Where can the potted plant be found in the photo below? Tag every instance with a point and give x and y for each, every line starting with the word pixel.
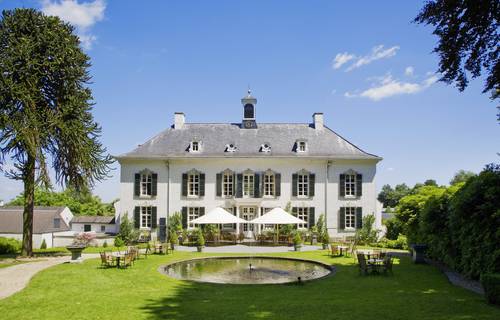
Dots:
pixel 325 240
pixel 314 235
pixel 200 240
pixel 297 241
pixel 173 239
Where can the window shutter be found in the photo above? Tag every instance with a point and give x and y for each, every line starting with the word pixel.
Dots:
pixel 277 180
pixel 234 213
pixel 184 217
pixel 218 186
pixel 294 185
pixel 153 217
pixel 359 185
pixel 184 184
pixel 294 211
pixel 311 219
pixel 239 185
pixel 234 185
pixel 342 185
pixel 137 184
pixel 202 185
pixel 261 185
pixel 137 217
pixel 342 219
pixel 256 185
pixel 359 218
pixel 154 184
pixel 202 211
pixel 312 179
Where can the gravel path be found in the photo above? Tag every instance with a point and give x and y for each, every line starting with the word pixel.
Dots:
pixel 17 277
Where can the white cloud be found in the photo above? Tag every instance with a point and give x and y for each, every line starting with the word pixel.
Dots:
pixel 409 71
pixel 377 53
pixel 81 15
pixel 387 87
pixel 341 59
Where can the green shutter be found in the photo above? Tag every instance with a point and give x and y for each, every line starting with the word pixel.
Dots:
pixel 137 184
pixel 137 217
pixel 153 217
pixel 342 185
pixel 184 217
pixel 359 185
pixel 294 184
pixel 202 185
pixel 312 182
pixel 239 185
pixel 218 186
pixel 202 211
pixel 311 219
pixel 294 211
pixel 184 184
pixel 359 218
pixel 342 219
pixel 154 184
pixel 277 180
pixel 256 185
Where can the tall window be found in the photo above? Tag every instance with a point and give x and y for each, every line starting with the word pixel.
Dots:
pixel 146 184
pixel 269 184
pixel 228 184
pixel 248 184
pixel 146 217
pixel 303 185
pixel 350 217
pixel 303 214
pixel 350 184
pixel 193 184
pixel 193 213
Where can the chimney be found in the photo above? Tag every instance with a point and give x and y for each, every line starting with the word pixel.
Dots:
pixel 318 120
pixel 179 120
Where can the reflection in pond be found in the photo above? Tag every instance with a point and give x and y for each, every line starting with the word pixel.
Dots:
pixel 248 270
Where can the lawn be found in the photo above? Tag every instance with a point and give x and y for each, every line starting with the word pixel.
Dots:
pixel 86 291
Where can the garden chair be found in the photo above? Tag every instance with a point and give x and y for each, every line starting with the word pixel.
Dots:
pixel 364 268
pixel 334 250
pixel 107 260
pixel 127 260
pixel 387 264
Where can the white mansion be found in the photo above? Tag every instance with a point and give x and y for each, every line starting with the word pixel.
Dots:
pixel 249 168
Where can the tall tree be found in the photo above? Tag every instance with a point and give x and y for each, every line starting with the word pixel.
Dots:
pixel 461 176
pixel 468 32
pixel 45 108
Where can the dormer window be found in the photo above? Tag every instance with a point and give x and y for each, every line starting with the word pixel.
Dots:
pixel 230 147
pixel 195 146
pixel 301 146
pixel 265 148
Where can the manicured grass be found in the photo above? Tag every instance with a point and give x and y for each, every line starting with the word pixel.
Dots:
pixel 86 291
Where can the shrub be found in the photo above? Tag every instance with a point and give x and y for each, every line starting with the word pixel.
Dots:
pixel 127 232
pixel 119 242
pixel 200 240
pixel 400 243
pixel 43 245
pixel 84 238
pixel 105 244
pixel 368 234
pixel 491 285
pixel 297 239
pixel 9 246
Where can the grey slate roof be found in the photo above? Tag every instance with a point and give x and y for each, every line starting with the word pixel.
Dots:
pixel 94 219
pixel 11 220
pixel 174 143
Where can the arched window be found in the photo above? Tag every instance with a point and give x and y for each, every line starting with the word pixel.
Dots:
pixel 249 111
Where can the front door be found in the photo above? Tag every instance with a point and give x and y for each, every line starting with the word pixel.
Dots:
pixel 248 213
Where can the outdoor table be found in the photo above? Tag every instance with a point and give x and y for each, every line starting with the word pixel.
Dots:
pixel 118 257
pixel 376 263
pixel 342 249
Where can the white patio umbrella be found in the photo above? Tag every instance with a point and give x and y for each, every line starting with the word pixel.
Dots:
pixel 218 216
pixel 277 216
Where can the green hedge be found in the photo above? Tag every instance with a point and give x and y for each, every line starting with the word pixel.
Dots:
pixel 491 285
pixel 9 246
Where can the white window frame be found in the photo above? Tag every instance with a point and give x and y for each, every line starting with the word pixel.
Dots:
pixel 266 147
pixel 193 184
pixel 250 213
pixel 228 184
pixel 231 147
pixel 146 184
pixel 350 218
pixel 146 217
pixel 195 146
pixel 248 185
pixel 350 184
pixel 269 184
pixel 267 227
pixel 303 185
pixel 301 146
pixel 303 214
pixel 192 213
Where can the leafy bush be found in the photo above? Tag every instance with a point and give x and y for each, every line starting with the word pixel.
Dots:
pixel 175 223
pixel 200 240
pixel 491 285
pixel 368 234
pixel 400 243
pixel 127 232
pixel 105 244
pixel 393 228
pixel 119 242
pixel 297 239
pixel 43 245
pixel 9 246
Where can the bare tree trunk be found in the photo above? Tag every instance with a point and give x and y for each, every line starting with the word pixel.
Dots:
pixel 29 199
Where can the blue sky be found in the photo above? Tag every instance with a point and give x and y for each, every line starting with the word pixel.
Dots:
pixel 364 64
